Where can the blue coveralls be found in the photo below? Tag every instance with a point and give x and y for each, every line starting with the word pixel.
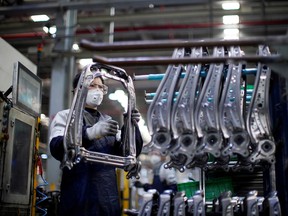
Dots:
pixel 88 189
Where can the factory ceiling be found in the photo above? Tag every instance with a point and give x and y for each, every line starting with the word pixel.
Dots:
pixel 115 21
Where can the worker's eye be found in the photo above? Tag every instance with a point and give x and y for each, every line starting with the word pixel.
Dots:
pixel 102 87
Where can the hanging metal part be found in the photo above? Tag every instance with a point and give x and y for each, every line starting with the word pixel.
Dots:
pixel 72 140
pixel 224 204
pixel 150 203
pixel 165 203
pixel 207 110
pixel 74 152
pixel 159 112
pixel 251 204
pixel 198 203
pixel 180 203
pixel 106 158
pixel 231 118
pixel 258 118
pixel 227 204
pixel 243 164
pixel 271 205
pixel 182 122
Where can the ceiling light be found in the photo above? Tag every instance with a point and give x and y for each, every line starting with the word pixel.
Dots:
pixel 231 6
pixel 230 19
pixel 51 30
pixel 40 18
pixel 46 29
pixel 231 33
pixel 75 47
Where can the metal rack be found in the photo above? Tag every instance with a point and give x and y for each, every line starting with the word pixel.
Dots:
pixel 275 178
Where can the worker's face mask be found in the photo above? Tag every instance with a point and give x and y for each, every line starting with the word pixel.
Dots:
pixel 155 159
pixel 94 97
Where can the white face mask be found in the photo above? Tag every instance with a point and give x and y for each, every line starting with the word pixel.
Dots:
pixel 155 159
pixel 94 97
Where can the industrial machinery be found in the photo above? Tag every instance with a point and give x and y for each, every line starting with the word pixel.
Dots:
pixel 19 127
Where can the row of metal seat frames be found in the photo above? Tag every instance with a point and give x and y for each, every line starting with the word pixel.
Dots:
pixel 207 115
pixel 170 204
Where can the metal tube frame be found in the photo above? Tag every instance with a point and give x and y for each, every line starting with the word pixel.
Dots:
pixel 74 151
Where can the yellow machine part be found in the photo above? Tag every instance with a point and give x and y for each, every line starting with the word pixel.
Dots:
pixel 37 141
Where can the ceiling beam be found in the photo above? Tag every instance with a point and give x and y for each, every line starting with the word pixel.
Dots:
pixel 89 6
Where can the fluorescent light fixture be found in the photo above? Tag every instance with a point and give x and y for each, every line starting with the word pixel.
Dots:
pixel 230 19
pixel 40 18
pixel 231 33
pixel 231 37
pixel 231 6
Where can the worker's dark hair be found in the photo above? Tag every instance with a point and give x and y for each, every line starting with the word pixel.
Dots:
pixel 77 77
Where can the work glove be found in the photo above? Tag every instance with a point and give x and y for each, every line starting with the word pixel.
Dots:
pixel 145 186
pixel 102 128
pixel 135 115
pixel 138 184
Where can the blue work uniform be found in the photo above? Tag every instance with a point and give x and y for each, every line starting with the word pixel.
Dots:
pixel 88 189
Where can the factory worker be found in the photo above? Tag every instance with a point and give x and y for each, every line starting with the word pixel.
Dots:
pixel 91 188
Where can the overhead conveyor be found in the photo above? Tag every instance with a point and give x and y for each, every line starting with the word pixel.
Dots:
pixel 213 110
pixel 214 115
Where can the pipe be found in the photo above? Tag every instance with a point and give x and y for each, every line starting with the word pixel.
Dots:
pixel 202 74
pixel 161 44
pixel 186 60
pixel 86 44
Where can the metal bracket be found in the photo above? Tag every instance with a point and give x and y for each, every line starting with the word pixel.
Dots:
pixel 258 119
pixel 159 112
pixel 231 118
pixel 207 110
pixel 182 123
pixel 74 152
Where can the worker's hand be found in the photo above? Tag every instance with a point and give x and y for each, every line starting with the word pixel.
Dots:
pixel 138 184
pixel 102 128
pixel 135 115
pixel 145 186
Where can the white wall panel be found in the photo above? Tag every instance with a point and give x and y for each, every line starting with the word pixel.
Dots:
pixel 8 56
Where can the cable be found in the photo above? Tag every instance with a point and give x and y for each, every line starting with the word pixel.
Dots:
pixel 38 188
